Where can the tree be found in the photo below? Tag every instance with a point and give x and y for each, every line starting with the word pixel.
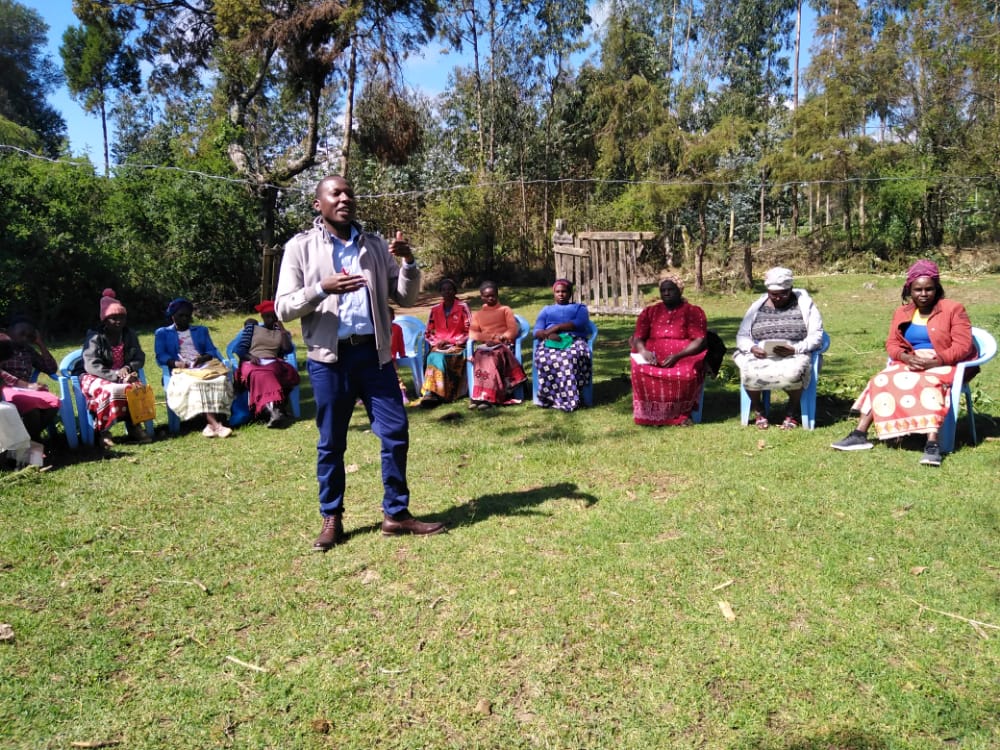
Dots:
pixel 273 73
pixel 97 62
pixel 28 76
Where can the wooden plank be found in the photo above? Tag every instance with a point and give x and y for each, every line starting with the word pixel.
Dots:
pixel 634 236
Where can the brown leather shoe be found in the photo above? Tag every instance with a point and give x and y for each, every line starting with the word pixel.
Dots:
pixel 404 523
pixel 331 535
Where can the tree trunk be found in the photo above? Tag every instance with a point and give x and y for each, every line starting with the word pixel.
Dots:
pixel 795 111
pixel 104 133
pixel 763 189
pixel 352 79
pixel 699 258
pixel 747 266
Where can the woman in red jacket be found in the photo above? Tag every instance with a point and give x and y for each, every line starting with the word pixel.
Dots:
pixel 928 336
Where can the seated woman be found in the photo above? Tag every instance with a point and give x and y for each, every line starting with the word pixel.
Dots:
pixel 199 382
pixel 562 356
pixel 669 338
pixel 495 370
pixel 110 365
pixel 774 345
pixel 14 439
pixel 446 333
pixel 37 407
pixel 928 336
pixel 263 370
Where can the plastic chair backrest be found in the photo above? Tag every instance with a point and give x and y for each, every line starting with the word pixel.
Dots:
pixel 986 348
pixel 415 346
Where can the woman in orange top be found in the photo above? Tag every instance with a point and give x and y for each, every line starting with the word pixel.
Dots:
pixel 495 370
pixel 928 336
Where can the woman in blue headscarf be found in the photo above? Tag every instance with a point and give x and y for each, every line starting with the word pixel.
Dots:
pixel 199 383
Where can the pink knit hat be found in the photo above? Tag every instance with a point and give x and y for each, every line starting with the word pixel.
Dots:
pixel 110 305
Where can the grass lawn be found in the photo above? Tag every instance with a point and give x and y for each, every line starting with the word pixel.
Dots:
pixel 166 595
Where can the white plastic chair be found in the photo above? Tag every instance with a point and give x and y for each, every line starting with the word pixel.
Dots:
pixel 986 346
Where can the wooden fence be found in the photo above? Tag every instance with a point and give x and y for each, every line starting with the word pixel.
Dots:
pixel 604 268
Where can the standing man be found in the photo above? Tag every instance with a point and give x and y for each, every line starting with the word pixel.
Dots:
pixel 339 279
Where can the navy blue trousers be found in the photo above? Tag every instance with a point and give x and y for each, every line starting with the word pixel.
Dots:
pixel 336 389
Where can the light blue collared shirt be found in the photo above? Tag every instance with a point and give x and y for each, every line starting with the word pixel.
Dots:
pixel 354 308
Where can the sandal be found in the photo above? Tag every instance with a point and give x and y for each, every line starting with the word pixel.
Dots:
pixel 761 422
pixel 789 423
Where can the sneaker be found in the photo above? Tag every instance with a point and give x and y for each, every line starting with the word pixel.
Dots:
pixel 209 431
pixel 789 423
pixel 856 441
pixel 932 454
pixel 223 432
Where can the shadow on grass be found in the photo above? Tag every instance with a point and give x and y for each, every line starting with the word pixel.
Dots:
pixel 513 503
pixel 840 739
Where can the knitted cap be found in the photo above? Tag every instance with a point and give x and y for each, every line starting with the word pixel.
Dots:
pixel 110 305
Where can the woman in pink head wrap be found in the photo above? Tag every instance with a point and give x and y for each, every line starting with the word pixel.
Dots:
pixel 928 336
pixel 112 358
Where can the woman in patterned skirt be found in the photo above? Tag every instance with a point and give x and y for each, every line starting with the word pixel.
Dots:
pixel 110 366
pixel 496 373
pixel 446 333
pixel 928 336
pixel 775 343
pixel 668 366
pixel 562 357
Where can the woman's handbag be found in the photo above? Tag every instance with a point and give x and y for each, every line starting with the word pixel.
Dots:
pixel 141 403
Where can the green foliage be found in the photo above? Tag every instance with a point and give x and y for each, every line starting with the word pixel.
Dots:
pixel 52 261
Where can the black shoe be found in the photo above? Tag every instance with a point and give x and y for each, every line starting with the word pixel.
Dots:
pixel 932 454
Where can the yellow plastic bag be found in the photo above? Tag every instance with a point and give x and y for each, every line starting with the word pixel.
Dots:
pixel 141 403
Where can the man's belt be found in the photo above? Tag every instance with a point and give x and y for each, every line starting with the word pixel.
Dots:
pixel 357 339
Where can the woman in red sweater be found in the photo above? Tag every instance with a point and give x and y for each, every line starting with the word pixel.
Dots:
pixel 928 336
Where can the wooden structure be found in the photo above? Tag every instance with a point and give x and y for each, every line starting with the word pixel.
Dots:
pixel 604 268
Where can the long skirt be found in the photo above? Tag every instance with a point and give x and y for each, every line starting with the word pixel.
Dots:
pixel 562 375
pixel 667 395
pixel 444 375
pixel 775 373
pixel 27 399
pixel 188 396
pixel 903 401
pixel 105 400
pixel 495 374
pixel 268 384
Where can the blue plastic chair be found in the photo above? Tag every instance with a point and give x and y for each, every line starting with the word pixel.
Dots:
pixel 986 346
pixel 241 403
pixel 808 395
pixel 523 329
pixel 415 345
pixel 69 387
pixel 587 396
pixel 66 413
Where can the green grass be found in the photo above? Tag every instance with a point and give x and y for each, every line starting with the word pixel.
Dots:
pixel 574 604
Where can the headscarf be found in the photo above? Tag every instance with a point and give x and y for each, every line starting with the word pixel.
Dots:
pixel 266 306
pixel 674 279
pixel 778 278
pixel 565 282
pixel 922 267
pixel 110 305
pixel 177 304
